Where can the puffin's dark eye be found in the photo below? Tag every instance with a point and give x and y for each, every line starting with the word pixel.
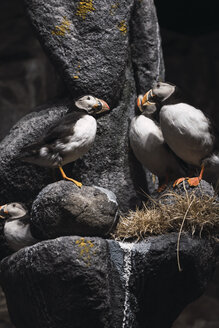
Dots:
pixel 13 205
pixel 158 85
pixel 88 98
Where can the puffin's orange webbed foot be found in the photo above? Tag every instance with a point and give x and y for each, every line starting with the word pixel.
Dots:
pixel 194 182
pixel 178 181
pixel 77 183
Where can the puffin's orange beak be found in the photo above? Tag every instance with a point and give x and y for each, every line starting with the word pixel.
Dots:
pixel 146 99
pixel 102 106
pixel 3 212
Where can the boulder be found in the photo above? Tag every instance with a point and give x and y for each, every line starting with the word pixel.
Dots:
pixel 62 209
pixel 103 283
pixel 73 281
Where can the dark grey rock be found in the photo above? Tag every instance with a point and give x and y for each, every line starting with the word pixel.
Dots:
pixel 146 51
pixel 91 46
pixel 62 209
pixel 102 283
pixel 162 291
pixel 157 292
pixel 72 277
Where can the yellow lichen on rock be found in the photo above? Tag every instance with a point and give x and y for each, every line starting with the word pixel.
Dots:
pixel 85 249
pixel 113 8
pixel 122 26
pixel 77 72
pixel 62 28
pixel 84 7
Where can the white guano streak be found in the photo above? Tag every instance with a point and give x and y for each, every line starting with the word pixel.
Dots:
pixel 127 267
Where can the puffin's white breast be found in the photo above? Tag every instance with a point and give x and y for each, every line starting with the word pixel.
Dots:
pixel 83 136
pixel 145 133
pixel 147 143
pixel 187 132
pixel 18 234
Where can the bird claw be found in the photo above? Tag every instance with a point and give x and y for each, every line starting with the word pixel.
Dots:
pixel 194 182
pixel 162 187
pixel 178 181
pixel 77 183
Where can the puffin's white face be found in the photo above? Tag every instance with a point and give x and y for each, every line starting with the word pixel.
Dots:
pixel 92 104
pixel 12 211
pixel 163 90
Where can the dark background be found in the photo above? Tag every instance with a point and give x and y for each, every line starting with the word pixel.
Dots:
pixel 191 17
pixel 190 40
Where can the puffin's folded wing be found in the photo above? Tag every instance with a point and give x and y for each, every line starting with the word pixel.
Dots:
pixel 60 130
pixel 63 128
pixel 182 168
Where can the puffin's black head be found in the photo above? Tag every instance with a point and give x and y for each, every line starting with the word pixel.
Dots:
pixel 13 211
pixel 92 104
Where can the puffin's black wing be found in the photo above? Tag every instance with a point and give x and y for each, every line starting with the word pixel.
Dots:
pixel 60 130
pixel 63 128
pixel 185 167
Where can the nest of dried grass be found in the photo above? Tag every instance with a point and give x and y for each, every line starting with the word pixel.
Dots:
pixel 198 215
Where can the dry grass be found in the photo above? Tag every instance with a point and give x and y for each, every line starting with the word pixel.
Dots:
pixel 198 215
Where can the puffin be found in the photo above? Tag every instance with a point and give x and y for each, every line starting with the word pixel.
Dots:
pixel 69 139
pixel 186 129
pixel 149 146
pixel 17 228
